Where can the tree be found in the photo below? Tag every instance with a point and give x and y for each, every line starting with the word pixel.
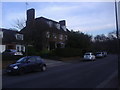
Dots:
pixel 19 24
pixel 106 43
pixel 100 38
pixel 78 40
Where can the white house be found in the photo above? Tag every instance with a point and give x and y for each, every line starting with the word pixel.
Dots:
pixel 10 39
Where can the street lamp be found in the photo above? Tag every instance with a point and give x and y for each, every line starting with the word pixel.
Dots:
pixel 118 36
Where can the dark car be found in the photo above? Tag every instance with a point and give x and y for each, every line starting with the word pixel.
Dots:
pixel 26 64
pixel 11 52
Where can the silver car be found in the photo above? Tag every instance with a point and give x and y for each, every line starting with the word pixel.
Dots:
pixel 99 54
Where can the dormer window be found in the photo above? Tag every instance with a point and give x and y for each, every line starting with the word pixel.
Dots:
pixel 58 26
pixel 19 36
pixel 50 23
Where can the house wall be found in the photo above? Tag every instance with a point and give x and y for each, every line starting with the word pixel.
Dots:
pixel 1 34
pixel 2 48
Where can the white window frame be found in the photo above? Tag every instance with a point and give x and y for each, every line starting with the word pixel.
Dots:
pixel 21 36
pixel 61 36
pixel 58 26
pixel 47 34
pixel 54 36
pixel 50 23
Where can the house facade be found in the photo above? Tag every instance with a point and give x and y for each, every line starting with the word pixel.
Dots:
pixel 11 39
pixel 48 33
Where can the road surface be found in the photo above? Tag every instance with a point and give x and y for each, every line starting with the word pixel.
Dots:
pixel 90 74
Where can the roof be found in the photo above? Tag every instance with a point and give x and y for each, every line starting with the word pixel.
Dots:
pixel 45 19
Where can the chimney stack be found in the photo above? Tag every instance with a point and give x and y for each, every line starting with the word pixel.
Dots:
pixel 63 24
pixel 30 17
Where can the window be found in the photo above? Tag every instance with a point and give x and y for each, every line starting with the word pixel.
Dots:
pixel 61 37
pixel 48 34
pixel 18 48
pixel 54 35
pixel 58 26
pixel 19 36
pixel 50 23
pixel 22 48
pixel 32 59
pixel 66 37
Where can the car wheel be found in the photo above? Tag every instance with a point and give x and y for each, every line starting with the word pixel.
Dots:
pixel 43 68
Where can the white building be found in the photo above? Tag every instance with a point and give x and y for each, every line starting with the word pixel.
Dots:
pixel 10 39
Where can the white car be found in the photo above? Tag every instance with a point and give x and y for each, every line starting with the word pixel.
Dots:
pixel 89 56
pixel 105 54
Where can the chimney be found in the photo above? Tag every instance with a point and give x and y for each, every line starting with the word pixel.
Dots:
pixel 30 17
pixel 63 24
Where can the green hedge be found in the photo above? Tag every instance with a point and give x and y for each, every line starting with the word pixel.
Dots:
pixel 10 57
pixel 68 52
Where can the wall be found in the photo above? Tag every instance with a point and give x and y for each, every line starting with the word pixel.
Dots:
pixel 2 48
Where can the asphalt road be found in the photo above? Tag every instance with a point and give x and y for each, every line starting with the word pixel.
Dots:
pixel 90 74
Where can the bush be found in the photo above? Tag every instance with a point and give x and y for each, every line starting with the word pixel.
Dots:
pixel 30 51
pixel 68 52
pixel 10 57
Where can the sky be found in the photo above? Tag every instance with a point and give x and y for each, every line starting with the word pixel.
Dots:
pixel 88 17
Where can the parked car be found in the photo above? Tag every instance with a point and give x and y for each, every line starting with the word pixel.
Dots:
pixel 89 56
pixel 11 52
pixel 105 54
pixel 99 54
pixel 26 64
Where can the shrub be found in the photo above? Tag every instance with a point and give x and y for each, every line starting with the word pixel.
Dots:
pixel 68 52
pixel 10 57
pixel 30 51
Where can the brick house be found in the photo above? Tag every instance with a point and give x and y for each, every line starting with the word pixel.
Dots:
pixel 11 39
pixel 49 33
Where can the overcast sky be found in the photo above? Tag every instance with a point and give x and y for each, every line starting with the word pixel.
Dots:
pixel 88 17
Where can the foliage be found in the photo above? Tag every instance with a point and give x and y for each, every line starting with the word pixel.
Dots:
pixel 78 40
pixel 10 57
pixel 30 50
pixel 107 43
pixel 19 24
pixel 67 52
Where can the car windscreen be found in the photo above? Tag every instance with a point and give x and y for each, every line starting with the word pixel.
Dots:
pixel 22 60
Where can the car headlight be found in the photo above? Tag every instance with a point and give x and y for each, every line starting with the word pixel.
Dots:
pixel 15 67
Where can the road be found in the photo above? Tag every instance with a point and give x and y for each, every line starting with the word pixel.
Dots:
pixel 90 74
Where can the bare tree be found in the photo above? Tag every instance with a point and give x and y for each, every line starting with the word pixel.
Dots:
pixel 19 24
